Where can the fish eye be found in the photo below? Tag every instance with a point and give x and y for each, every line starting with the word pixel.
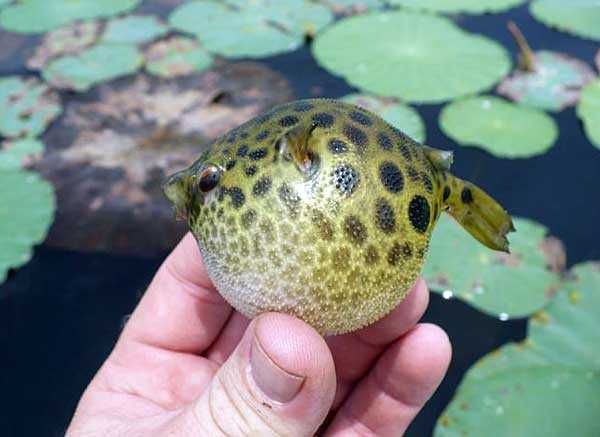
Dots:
pixel 209 178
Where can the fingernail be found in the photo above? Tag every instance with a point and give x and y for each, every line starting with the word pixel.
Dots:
pixel 274 381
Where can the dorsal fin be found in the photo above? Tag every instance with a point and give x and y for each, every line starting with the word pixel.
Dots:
pixel 295 145
pixel 441 159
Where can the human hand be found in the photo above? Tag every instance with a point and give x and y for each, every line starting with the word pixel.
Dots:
pixel 187 364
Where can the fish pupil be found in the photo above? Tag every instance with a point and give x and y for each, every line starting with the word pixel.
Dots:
pixel 209 178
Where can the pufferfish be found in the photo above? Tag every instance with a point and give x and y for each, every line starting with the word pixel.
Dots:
pixel 322 210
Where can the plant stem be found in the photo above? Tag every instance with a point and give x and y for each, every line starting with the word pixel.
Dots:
pixel 526 56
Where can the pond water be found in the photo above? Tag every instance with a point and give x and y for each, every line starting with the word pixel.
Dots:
pixel 61 313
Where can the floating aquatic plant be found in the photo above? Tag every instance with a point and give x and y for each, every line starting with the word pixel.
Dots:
pixel 17 153
pixel 548 384
pixel 236 28
pixel 502 285
pixel 498 126
pixel 36 16
pixel 133 29
pixel 27 106
pixel 176 56
pixel 416 57
pixel 92 66
pixel 26 208
pixel 579 17
pixel 546 80
pixel 588 110
pixel 458 6
pixel 404 117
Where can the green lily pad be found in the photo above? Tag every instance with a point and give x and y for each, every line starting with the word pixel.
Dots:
pixel 503 285
pixel 555 83
pixel 92 66
pixel 236 28
pixel 458 6
pixel 500 127
pixel 133 29
pixel 27 107
pixel 67 40
pixel 588 110
pixel 403 117
pixel 579 17
pixel 176 56
pixel 539 401
pixel 36 16
pixel 5 3
pixel 517 389
pixel 26 211
pixel 14 154
pixel 417 57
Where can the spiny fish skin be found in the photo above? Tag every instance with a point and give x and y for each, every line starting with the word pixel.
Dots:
pixel 322 210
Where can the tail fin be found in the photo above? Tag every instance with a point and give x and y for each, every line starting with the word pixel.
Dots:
pixel 477 212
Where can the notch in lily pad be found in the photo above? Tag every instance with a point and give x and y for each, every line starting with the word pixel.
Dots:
pixel 27 106
pixel 545 79
pixel 402 57
pixel 402 116
pixel 502 285
pixel 558 364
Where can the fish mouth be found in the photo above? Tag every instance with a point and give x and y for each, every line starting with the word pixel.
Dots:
pixel 175 190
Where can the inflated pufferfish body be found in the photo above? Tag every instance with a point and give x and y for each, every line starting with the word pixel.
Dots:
pixel 322 210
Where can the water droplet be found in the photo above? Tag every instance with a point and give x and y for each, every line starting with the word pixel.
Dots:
pixel 478 289
pixel 499 410
pixel 447 294
pixel 554 384
pixel 503 317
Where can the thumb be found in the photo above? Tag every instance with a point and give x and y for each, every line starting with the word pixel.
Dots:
pixel 280 380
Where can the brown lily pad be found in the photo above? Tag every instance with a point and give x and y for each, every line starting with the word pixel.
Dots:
pixel 68 40
pixel 110 153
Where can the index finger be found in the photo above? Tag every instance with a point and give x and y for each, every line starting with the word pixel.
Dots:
pixel 181 309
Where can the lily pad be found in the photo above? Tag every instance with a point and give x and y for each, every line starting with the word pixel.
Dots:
pixel 500 127
pixel 92 66
pixel 236 28
pixel 67 40
pixel 27 107
pixel 557 365
pixel 176 56
pixel 133 29
pixel 17 153
pixel 458 6
pixel 579 17
pixel 417 57
pixel 588 110
pixel 36 16
pixel 4 3
pixel 554 84
pixel 404 117
pixel 503 285
pixel 26 210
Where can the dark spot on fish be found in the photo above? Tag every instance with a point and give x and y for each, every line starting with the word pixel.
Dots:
pixel 337 146
pixel 384 141
pixel 391 177
pixel 230 164
pixel 355 230
pixel 258 154
pixel 237 196
pixel 412 173
pixel 427 182
pixel 371 255
pixel 446 193
pixel 356 136
pixel 345 178
pixel 323 119
pixel 418 213
pixel 289 198
pixel 466 195
pixel 250 170
pixel 385 216
pixel 303 107
pixel 242 150
pixel 262 135
pixel 394 254
pixel 361 118
pixel 262 186
pixel 288 120
pixel 248 218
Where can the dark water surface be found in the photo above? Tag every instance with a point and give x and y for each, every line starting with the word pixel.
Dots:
pixel 61 313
